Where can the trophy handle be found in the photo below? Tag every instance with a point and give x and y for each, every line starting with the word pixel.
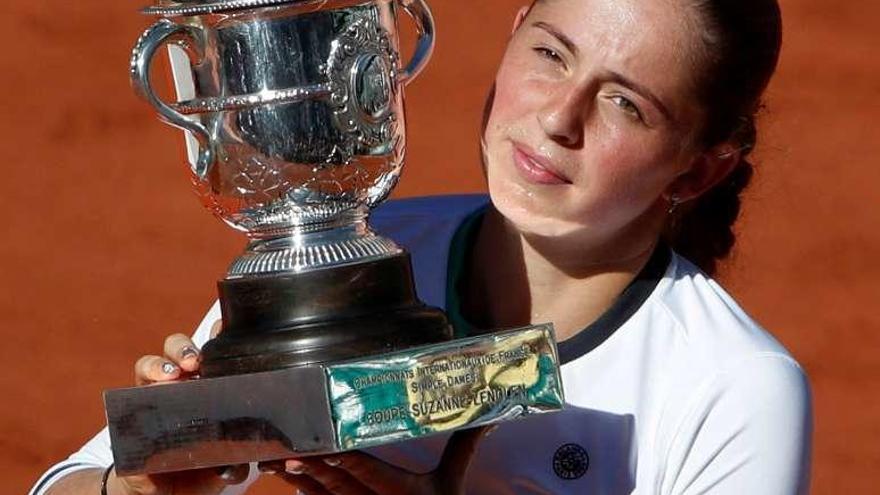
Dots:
pixel 421 14
pixel 142 56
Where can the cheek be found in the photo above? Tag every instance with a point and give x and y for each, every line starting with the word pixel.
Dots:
pixel 622 174
pixel 503 109
pixel 518 92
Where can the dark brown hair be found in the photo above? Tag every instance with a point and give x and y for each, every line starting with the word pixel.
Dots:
pixel 742 42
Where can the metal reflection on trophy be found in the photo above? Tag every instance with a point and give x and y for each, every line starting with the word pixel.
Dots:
pixel 298 122
pixel 295 127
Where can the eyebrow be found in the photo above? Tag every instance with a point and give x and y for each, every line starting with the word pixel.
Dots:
pixel 619 78
pixel 615 77
pixel 565 40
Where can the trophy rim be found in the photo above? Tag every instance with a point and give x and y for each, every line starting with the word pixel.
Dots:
pixel 202 7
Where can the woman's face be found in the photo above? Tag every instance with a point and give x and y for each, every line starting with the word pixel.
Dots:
pixel 592 122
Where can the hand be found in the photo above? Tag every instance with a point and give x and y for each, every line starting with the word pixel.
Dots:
pixel 180 361
pixel 358 473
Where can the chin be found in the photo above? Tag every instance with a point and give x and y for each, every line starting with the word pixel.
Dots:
pixel 532 213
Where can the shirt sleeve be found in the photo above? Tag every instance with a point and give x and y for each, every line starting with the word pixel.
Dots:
pixel 96 453
pixel 748 430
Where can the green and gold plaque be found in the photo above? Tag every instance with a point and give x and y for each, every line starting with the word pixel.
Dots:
pixel 444 387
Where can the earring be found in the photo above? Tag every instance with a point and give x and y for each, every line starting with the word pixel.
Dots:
pixel 728 154
pixel 674 201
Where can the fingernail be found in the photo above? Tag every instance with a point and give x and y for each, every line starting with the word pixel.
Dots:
pixel 295 467
pixel 226 473
pixel 216 328
pixel 332 461
pixel 188 352
pixel 168 368
pixel 267 468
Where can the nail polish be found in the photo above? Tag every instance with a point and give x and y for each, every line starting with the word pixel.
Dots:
pixel 188 352
pixel 295 467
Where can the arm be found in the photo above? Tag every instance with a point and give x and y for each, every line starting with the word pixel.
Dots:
pixel 81 473
pixel 748 431
pixel 82 481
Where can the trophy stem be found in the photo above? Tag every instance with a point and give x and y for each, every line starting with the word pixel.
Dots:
pixel 320 316
pixel 310 248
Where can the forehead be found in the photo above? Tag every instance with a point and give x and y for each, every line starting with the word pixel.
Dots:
pixel 654 41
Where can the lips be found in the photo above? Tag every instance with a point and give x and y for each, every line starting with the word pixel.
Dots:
pixel 535 168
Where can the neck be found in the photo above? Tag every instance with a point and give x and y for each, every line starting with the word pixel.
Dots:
pixel 522 280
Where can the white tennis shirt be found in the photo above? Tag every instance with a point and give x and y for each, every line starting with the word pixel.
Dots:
pixel 675 390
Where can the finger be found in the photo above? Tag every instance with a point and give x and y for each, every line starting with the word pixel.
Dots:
pixel 152 369
pixel 460 451
pixel 216 328
pixel 303 483
pixel 375 473
pixel 234 475
pixel 271 467
pixel 202 481
pixel 136 484
pixel 182 351
pixel 336 481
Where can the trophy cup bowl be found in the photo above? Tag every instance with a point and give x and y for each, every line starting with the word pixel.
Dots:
pixel 296 130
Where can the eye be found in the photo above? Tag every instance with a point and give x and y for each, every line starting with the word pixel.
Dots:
pixel 549 54
pixel 627 106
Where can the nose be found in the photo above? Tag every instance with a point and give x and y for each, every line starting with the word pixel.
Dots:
pixel 563 116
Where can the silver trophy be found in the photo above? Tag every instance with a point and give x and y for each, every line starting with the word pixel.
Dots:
pixel 296 124
pixel 295 129
pixel 298 114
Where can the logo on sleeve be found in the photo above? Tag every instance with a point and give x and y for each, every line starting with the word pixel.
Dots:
pixel 570 461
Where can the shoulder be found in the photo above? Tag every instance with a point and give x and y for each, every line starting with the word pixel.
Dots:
pixel 717 358
pixel 425 227
pixel 739 393
pixel 737 415
pixel 426 211
pixel 709 322
pixel 430 205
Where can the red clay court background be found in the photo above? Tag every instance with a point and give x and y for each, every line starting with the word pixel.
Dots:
pixel 105 249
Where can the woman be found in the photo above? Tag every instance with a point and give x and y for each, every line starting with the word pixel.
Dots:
pixel 616 129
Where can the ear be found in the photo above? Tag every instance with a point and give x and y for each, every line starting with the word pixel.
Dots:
pixel 520 17
pixel 705 172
